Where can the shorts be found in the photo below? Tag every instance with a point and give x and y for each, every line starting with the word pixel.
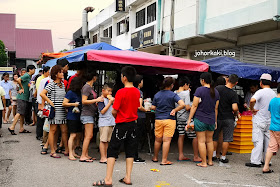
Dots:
pixel 200 126
pixel 87 119
pixel 21 107
pixel 165 128
pixel 8 102
pixel 14 103
pixel 123 133
pixel 106 133
pixel 274 142
pixel 74 126
pixel 181 127
pixel 227 126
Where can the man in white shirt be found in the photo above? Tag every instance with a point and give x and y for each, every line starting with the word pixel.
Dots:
pixel 40 85
pixel 261 120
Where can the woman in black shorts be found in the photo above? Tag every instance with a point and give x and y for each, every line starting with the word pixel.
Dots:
pixel 73 99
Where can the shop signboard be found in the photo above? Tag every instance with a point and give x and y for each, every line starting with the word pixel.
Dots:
pixel 120 5
pixel 142 38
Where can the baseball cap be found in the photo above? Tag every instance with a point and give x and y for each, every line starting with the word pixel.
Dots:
pixel 266 76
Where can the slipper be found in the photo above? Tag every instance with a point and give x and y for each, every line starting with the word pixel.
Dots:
pixel 25 131
pixel 88 160
pixel 122 181
pixel 72 159
pixel 91 158
pixel 66 154
pixel 59 150
pixel 210 164
pixel 199 161
pixel 54 155
pixel 167 163
pixel 12 132
pixel 103 162
pixel 199 165
pixel 184 160
pixel 154 160
pixel 44 151
pixel 269 171
pixel 101 183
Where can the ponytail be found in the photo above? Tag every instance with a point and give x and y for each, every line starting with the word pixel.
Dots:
pixel 207 77
pixel 212 89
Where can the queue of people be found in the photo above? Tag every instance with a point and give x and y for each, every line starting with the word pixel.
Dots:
pixel 208 121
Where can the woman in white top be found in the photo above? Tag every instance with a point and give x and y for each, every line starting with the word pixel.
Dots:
pixel 14 92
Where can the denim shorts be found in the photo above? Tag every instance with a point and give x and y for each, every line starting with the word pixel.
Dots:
pixel 87 119
pixel 200 126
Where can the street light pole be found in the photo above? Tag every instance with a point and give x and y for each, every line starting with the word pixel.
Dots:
pixel 6 51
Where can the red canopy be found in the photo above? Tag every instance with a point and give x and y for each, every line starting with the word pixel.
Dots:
pixel 146 59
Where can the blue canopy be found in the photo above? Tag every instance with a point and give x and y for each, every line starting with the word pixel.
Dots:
pixel 226 66
pixel 78 53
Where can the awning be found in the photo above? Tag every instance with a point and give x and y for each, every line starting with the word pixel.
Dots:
pixel 146 59
pixel 227 66
pixel 77 54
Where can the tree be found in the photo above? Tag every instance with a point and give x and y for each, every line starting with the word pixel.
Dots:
pixel 63 50
pixel 3 56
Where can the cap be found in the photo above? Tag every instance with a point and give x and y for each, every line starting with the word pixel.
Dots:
pixel 266 76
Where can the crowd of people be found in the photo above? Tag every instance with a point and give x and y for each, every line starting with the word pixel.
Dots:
pixel 66 112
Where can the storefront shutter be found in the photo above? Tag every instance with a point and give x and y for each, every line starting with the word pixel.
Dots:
pixel 254 54
pixel 273 54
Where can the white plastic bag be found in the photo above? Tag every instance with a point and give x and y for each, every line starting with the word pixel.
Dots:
pixel 46 126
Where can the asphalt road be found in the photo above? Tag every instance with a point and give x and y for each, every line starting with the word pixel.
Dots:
pixel 21 164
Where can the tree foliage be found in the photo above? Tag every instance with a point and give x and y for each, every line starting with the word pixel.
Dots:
pixel 3 56
pixel 63 50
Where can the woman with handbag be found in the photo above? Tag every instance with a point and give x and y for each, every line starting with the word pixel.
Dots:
pixel 54 94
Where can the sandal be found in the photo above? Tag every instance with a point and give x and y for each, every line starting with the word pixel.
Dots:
pixel 87 160
pixel 167 163
pixel 59 150
pixel 199 165
pixel 269 171
pixel 25 131
pixel 101 183
pixel 12 131
pixel 44 151
pixel 72 159
pixel 54 155
pixel 122 181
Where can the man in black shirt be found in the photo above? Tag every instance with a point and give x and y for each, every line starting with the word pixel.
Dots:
pixel 228 107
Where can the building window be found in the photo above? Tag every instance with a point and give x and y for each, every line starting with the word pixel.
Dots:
pixel 105 33
pixel 140 18
pixel 94 39
pixel 122 26
pixel 151 13
pixel 110 32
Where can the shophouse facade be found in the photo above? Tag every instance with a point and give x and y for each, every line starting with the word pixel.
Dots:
pixel 248 31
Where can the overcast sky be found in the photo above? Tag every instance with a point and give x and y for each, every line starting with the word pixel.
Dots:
pixel 62 17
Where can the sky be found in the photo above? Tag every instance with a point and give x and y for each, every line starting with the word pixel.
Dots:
pixel 62 17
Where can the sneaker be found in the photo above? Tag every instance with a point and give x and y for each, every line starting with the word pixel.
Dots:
pixel 139 161
pixel 253 165
pixel 223 160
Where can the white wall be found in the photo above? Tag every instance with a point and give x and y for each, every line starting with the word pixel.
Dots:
pixel 218 7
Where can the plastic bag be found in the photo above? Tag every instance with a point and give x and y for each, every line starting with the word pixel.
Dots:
pixel 46 126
